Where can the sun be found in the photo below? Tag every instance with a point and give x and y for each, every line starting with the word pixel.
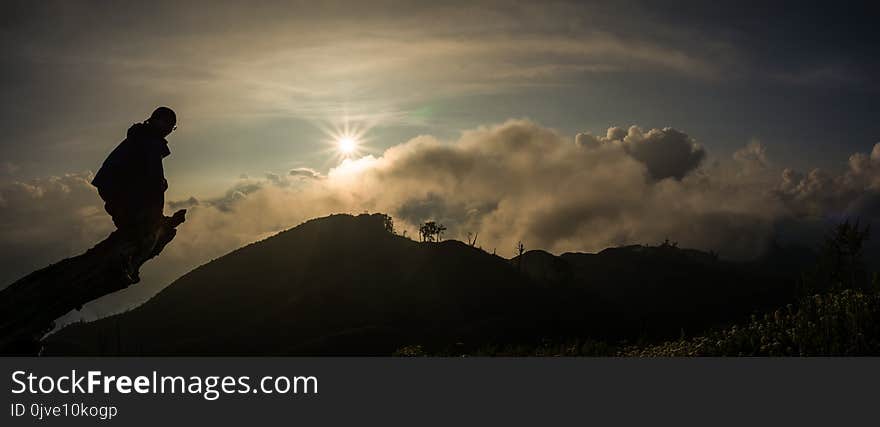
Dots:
pixel 347 145
pixel 345 139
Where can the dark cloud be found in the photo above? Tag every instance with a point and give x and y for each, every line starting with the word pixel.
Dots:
pixel 305 173
pixel 183 204
pixel 667 153
pixel 278 180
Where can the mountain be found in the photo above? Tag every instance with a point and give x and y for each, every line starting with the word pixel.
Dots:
pixel 658 291
pixel 339 284
pixel 344 285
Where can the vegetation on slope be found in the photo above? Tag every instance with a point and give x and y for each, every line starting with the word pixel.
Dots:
pixel 841 323
pixel 842 319
pixel 844 323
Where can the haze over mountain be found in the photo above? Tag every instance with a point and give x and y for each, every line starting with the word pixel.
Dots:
pixel 345 285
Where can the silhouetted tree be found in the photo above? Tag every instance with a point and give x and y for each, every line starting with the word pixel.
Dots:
pixel 431 231
pixel 472 242
pixel 520 249
pixel 841 255
pixel 667 244
pixel 426 231
pixel 840 264
pixel 389 223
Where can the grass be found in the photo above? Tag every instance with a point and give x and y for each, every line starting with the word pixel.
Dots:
pixel 838 323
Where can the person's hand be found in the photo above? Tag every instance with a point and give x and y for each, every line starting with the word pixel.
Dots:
pixel 178 218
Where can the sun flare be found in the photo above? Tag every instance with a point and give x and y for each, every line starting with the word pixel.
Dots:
pixel 346 145
pixel 346 139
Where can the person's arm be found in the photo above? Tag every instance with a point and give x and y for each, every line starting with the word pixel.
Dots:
pixel 154 175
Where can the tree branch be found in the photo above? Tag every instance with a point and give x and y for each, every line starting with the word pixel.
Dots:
pixel 29 307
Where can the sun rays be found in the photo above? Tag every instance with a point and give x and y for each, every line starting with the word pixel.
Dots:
pixel 346 139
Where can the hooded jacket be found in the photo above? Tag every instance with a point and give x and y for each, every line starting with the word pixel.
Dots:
pixel 134 168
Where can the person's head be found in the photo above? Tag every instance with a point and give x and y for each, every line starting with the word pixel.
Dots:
pixel 163 120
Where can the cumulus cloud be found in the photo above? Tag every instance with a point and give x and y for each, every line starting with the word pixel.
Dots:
pixel 521 181
pixel 818 193
pixel 864 169
pixel 667 153
pixel 509 182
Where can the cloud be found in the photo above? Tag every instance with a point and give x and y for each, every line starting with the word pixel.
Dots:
pixel 515 181
pixel 183 204
pixel 864 169
pixel 278 180
pixel 667 153
pixel 305 173
pixel 233 63
pixel 820 193
pixel 753 156
pixel 521 181
pixel 44 220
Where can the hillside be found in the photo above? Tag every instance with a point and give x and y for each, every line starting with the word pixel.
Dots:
pixel 657 291
pixel 339 284
pixel 344 285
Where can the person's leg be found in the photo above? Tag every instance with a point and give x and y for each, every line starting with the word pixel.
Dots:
pixel 147 225
pixel 137 220
pixel 128 232
pixel 149 222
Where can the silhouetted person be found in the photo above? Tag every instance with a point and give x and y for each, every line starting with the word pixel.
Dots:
pixel 132 184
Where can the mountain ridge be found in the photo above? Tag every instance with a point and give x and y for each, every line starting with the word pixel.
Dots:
pixel 344 284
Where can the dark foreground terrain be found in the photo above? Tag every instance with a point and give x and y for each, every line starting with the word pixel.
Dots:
pixel 344 285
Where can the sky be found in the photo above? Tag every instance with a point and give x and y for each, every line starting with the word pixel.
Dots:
pixel 568 125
